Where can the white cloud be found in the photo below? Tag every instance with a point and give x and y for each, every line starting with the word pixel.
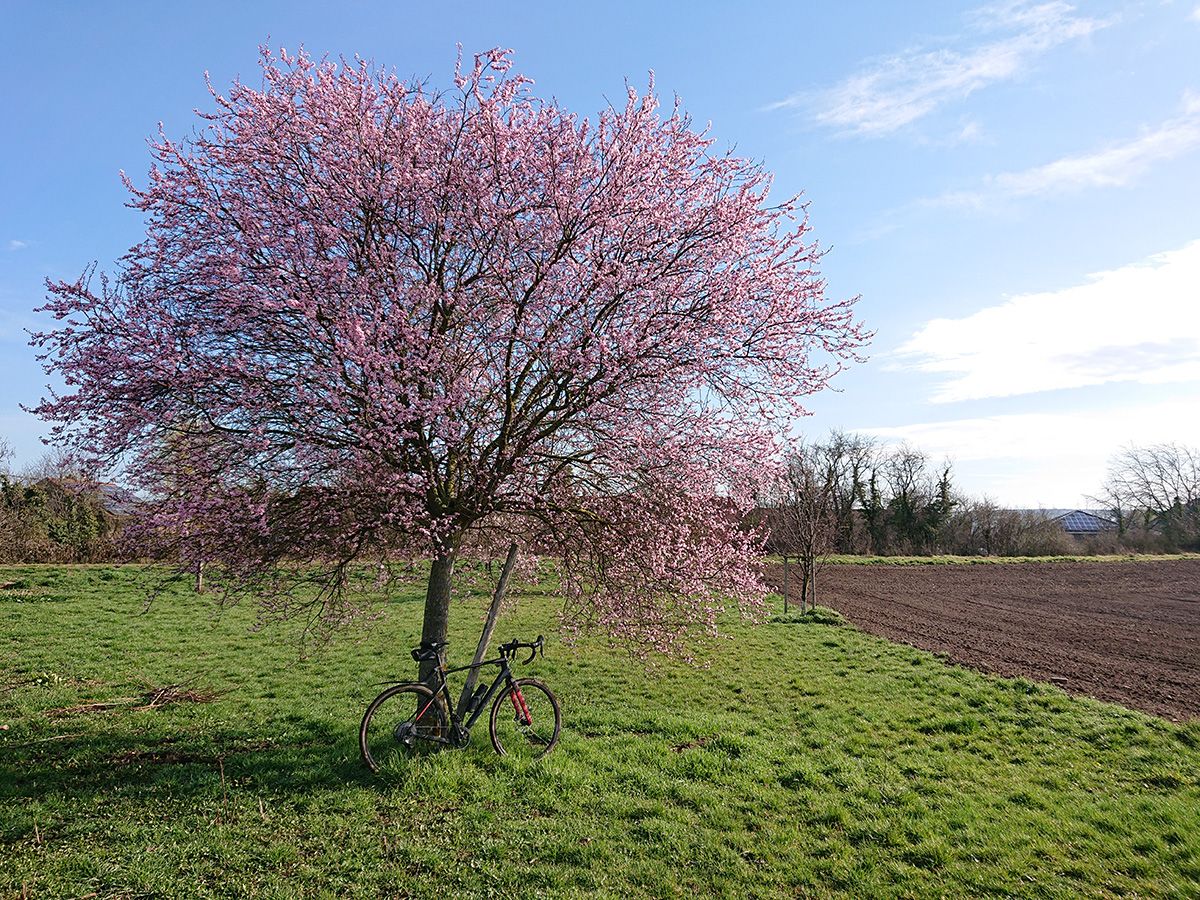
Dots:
pixel 1195 16
pixel 898 90
pixel 1139 323
pixel 15 245
pixel 1052 436
pixel 1055 459
pixel 1116 165
pixel 969 134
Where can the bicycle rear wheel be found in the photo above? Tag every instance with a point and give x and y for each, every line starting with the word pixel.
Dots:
pixel 403 722
pixel 526 720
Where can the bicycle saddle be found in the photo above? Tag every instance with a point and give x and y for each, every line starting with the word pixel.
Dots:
pixel 430 652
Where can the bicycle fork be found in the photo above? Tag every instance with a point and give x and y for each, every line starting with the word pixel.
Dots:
pixel 520 707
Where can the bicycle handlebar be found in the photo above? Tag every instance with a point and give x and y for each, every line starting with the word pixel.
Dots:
pixel 433 652
pixel 534 648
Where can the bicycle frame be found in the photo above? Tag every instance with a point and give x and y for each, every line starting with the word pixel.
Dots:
pixel 503 677
pixel 404 728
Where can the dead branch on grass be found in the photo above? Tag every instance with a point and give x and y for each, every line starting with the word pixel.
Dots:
pixel 155 698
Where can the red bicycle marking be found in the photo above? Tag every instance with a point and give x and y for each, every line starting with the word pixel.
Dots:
pixel 518 702
pixel 426 709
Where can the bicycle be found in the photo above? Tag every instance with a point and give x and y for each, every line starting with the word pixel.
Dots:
pixel 407 720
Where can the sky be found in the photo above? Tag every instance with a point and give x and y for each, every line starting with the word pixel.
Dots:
pixel 1013 189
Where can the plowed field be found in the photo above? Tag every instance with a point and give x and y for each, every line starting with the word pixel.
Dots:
pixel 1124 632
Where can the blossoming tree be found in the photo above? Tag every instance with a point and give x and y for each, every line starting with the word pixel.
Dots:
pixel 370 321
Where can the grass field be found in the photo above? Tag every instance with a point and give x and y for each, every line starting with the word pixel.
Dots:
pixel 843 559
pixel 807 759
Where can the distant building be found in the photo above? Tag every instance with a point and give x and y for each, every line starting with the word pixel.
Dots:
pixel 117 500
pixel 1082 522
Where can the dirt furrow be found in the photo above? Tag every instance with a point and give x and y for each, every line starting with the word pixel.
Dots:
pixel 1123 632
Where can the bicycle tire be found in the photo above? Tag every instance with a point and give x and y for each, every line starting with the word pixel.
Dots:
pixel 390 735
pixel 533 739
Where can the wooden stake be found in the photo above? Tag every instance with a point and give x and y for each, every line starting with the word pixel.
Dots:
pixel 489 625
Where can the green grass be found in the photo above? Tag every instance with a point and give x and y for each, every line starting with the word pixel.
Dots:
pixel 803 760
pixel 814 615
pixel 847 559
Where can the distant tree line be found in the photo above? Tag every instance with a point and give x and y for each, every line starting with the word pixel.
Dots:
pixel 52 514
pixel 866 498
pixel 847 494
pixel 850 494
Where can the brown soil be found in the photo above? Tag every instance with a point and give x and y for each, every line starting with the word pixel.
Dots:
pixel 1124 632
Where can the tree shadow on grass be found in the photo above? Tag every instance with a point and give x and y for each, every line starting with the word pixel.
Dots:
pixel 305 755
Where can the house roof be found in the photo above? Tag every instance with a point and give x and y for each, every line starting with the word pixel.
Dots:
pixel 1083 521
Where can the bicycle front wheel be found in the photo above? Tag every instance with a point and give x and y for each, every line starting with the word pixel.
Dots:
pixel 403 722
pixel 525 720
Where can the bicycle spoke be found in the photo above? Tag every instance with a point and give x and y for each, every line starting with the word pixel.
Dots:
pixel 525 720
pixel 403 722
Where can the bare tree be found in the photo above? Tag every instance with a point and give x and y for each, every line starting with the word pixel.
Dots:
pixel 1158 487
pixel 808 521
pixel 980 527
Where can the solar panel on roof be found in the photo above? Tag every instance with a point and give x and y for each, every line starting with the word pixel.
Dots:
pixel 1079 522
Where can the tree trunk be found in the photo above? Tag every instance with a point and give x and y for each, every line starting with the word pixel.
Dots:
pixel 437 604
pixel 803 586
pixel 489 625
pixel 785 585
pixel 200 577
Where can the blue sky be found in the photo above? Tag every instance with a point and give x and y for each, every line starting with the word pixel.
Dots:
pixel 1013 188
